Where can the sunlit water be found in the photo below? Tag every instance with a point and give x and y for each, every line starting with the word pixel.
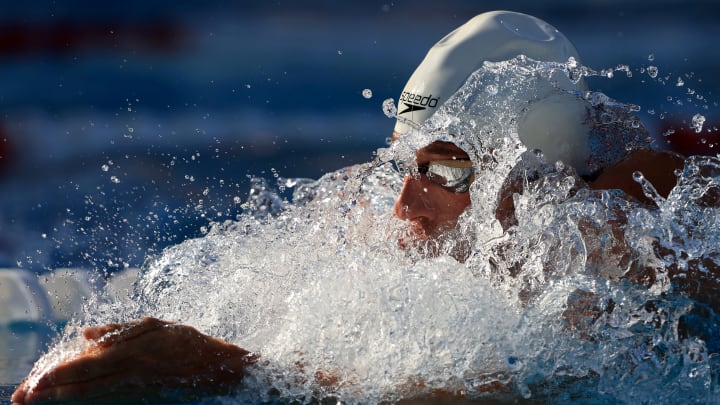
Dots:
pixel 560 307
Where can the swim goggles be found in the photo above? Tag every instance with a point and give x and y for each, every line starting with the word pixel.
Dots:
pixel 454 175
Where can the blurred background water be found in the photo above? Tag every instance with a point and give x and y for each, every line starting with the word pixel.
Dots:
pixel 128 126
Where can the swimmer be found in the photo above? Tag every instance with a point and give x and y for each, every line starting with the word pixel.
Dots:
pixel 555 125
pixel 143 360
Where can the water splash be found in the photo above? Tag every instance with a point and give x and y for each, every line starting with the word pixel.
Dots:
pixel 580 295
pixel 697 122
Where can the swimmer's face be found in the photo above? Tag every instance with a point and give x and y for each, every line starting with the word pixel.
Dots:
pixel 431 208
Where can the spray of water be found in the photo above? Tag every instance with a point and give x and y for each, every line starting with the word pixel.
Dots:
pixel 582 297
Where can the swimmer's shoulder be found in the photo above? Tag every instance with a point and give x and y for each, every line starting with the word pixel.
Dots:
pixel 657 166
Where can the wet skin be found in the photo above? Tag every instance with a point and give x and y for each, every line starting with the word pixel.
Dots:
pixel 431 208
pixel 141 362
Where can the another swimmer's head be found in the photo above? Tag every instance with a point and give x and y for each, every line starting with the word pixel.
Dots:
pixel 553 125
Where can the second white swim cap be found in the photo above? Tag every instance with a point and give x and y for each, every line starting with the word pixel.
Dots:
pixel 494 37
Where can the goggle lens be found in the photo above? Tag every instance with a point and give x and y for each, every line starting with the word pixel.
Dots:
pixel 455 175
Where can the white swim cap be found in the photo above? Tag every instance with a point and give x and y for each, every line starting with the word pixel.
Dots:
pixel 555 127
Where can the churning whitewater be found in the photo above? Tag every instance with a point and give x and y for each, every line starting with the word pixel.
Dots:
pixel 557 307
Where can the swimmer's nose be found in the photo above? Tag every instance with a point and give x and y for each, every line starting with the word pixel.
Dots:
pixel 412 202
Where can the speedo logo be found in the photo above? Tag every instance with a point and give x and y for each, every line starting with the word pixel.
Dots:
pixel 416 102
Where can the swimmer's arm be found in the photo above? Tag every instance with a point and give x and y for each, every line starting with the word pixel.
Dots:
pixel 142 361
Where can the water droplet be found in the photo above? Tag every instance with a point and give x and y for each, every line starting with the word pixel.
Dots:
pixel 367 93
pixel 697 122
pixel 114 179
pixel 389 108
pixel 652 71
pixel 680 82
pixel 623 68
pixel 492 89
pixel 607 73
pixel 105 168
pixel 651 57
pixel 339 52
